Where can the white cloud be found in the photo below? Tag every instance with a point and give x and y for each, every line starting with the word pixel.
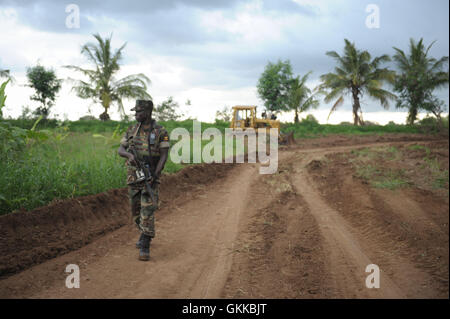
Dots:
pixel 212 56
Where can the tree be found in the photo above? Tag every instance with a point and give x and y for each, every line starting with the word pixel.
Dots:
pixel 7 74
pixel 167 110
pixel 46 86
pixel 310 119
pixel 3 96
pixel 4 73
pixel 274 85
pixel 102 86
pixel 301 98
pixel 224 115
pixel 419 76
pixel 356 74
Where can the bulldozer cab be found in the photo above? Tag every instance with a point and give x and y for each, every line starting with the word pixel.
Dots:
pixel 243 117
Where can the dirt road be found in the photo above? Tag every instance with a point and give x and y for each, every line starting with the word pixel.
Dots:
pixel 294 234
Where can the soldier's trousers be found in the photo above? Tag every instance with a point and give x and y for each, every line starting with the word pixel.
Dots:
pixel 143 209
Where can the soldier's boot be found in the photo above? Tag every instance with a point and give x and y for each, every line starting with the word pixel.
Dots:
pixel 139 242
pixel 144 252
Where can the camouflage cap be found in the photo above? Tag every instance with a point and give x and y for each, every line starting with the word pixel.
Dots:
pixel 142 105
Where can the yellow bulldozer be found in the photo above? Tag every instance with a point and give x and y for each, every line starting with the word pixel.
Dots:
pixel 244 117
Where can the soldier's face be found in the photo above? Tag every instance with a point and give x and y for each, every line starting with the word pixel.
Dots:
pixel 141 115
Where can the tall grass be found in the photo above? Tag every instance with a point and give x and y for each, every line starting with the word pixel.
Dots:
pixel 310 129
pixel 68 164
pixel 77 166
pixel 97 126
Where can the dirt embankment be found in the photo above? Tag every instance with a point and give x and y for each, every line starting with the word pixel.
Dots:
pixel 29 238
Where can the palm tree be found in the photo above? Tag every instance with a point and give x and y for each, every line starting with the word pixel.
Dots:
pixel 356 74
pixel 301 98
pixel 419 76
pixel 6 74
pixel 102 86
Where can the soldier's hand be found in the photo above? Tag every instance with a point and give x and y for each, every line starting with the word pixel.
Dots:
pixel 132 160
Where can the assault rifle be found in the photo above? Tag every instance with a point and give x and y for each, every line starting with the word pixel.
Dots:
pixel 143 173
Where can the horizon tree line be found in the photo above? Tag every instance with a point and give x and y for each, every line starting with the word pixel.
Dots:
pixel 356 74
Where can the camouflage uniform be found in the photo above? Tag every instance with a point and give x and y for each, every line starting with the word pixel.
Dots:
pixel 142 207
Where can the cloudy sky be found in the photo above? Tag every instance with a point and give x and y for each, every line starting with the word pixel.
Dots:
pixel 211 52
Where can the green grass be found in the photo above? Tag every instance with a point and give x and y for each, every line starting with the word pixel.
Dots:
pixel 375 174
pixel 307 129
pixel 367 171
pixel 380 177
pixel 304 129
pixel 389 153
pixel 79 165
pixel 385 153
pixel 417 147
pixel 439 177
pixel 362 152
pixel 390 183
pixel 97 126
pixel 69 164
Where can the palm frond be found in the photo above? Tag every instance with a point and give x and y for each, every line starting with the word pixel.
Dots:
pixel 381 95
pixel 140 78
pixel 84 90
pixel 331 96
pixel 401 59
pixel 310 103
pixel 132 91
pixel 338 103
pixel 89 73
pixel 378 60
pixel 4 73
pixel 439 64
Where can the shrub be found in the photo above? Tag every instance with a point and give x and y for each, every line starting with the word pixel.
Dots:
pixel 87 118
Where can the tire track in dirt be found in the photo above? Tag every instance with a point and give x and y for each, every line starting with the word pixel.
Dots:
pixel 404 233
pixel 404 241
pixel 340 246
pixel 279 251
pixel 369 236
pixel 347 259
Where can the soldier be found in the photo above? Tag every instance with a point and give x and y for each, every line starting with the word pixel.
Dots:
pixel 150 143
